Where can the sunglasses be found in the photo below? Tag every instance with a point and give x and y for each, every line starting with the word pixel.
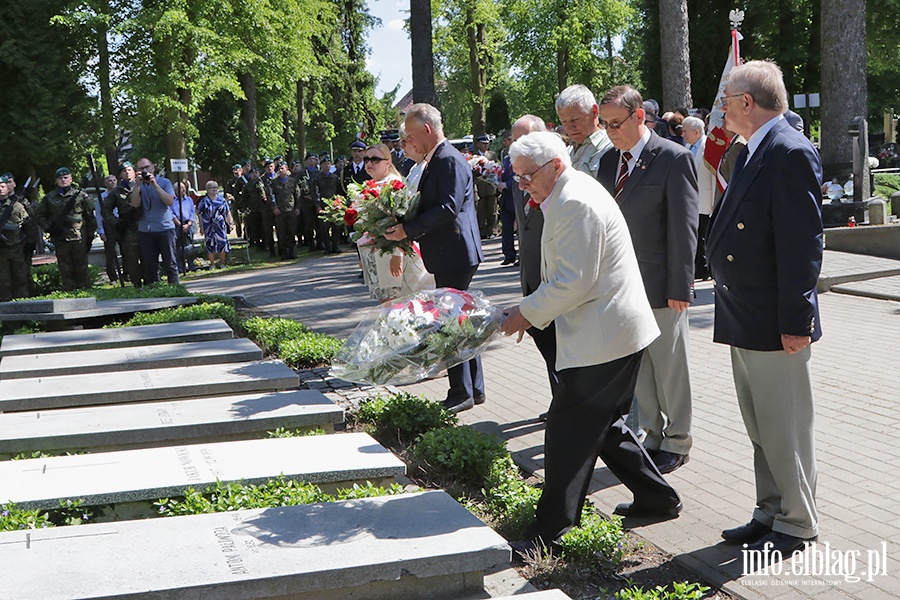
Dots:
pixel 374 159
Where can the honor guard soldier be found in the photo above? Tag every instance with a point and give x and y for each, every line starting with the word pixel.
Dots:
pixel 355 171
pixel 285 207
pixel 327 183
pixel 233 189
pixel 120 217
pixel 265 200
pixel 14 271
pixel 67 214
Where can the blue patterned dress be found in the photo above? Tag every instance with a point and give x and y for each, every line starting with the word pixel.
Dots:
pixel 214 214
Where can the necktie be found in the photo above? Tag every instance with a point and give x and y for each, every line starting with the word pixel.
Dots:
pixel 623 175
pixel 739 164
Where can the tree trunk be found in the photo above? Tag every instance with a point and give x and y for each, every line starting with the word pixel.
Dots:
pixel 675 56
pixel 477 72
pixel 844 92
pixel 248 115
pixel 301 119
pixel 422 53
pixel 106 107
pixel 287 135
pixel 176 142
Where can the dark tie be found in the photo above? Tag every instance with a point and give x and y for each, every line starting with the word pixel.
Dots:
pixel 739 164
pixel 623 174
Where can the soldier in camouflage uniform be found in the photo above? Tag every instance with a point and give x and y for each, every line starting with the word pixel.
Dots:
pixel 121 217
pixel 232 191
pixel 325 186
pixel 286 197
pixel 265 202
pixel 14 269
pixel 67 214
pixel 308 209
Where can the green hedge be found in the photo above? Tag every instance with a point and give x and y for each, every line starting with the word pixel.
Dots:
pixel 193 312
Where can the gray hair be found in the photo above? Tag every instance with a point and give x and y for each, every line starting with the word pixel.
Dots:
pixel 763 80
pixel 427 115
pixel 576 95
pixel 694 124
pixel 540 147
pixel 530 123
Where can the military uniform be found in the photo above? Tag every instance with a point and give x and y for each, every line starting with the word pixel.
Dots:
pixel 326 186
pixel 71 231
pixel 233 194
pixel 259 203
pixel 14 269
pixel 121 219
pixel 285 198
pixel 309 212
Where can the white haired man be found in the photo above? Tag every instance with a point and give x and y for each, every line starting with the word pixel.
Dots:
pixel 579 115
pixel 694 134
pixel 591 288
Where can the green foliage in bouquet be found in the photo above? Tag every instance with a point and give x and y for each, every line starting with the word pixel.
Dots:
pixel 380 206
pixel 401 418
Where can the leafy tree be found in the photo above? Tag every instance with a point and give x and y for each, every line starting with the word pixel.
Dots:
pixel 675 57
pixel 883 56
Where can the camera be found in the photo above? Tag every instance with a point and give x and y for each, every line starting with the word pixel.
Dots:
pixel 145 175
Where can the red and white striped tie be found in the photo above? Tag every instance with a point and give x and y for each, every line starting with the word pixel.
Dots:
pixel 623 174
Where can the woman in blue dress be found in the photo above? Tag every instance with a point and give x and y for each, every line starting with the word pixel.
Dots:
pixel 215 224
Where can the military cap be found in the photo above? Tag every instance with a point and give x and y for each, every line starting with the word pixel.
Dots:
pixel 8 176
pixel 246 162
pixel 359 144
pixel 235 167
pixel 63 171
pixel 312 155
pixel 268 162
pixel 125 165
pixel 3 178
pixel 394 137
pixel 483 138
pixel 325 156
pixel 342 157
pixel 278 157
pixel 385 136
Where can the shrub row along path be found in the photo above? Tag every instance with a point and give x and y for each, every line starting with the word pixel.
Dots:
pixel 858 444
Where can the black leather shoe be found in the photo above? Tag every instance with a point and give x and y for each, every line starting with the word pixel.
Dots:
pixel 507 261
pixel 457 406
pixel 636 511
pixel 746 534
pixel 527 549
pixel 667 462
pixel 782 543
pixel 479 398
pixel 543 417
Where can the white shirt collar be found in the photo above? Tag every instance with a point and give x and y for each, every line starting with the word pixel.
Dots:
pixel 760 134
pixel 637 149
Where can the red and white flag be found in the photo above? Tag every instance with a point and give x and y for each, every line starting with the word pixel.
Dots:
pixel 717 140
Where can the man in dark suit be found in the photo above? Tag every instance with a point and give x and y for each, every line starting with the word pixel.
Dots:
pixel 530 225
pixel 765 253
pixel 447 230
pixel 654 182
pixel 355 171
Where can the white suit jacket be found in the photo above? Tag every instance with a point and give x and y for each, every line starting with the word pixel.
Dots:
pixel 706 180
pixel 591 284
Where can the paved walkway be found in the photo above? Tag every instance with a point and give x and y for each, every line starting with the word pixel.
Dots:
pixel 857 391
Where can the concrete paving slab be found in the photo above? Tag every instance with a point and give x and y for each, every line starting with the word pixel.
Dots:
pixel 843 267
pixel 96 339
pixel 47 306
pixel 882 288
pixel 151 473
pixel 542 595
pixel 149 424
pixel 138 386
pixel 104 308
pixel 387 547
pixel 112 360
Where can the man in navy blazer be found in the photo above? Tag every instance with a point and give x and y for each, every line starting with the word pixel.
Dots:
pixel 654 182
pixel 765 253
pixel 447 230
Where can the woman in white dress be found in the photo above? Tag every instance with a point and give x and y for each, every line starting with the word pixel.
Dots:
pixel 389 276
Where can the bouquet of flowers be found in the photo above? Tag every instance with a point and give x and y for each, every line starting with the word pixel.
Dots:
pixel 380 206
pixel 418 337
pixel 483 167
pixel 334 210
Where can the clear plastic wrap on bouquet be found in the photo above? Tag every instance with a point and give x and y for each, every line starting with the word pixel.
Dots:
pixel 417 337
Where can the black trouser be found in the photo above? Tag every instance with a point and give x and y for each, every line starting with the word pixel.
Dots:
pixel 153 245
pixel 285 225
pixel 586 420
pixel 507 223
pixel 701 271
pixel 267 218
pixel 545 340
pixel 466 379
pixel 310 220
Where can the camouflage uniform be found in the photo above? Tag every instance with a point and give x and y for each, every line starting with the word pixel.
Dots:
pixel 71 233
pixel 285 196
pixel 121 219
pixel 14 269
pixel 233 194
pixel 259 201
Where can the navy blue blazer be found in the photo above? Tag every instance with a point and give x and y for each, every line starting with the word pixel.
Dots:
pixel 506 197
pixel 764 245
pixel 446 226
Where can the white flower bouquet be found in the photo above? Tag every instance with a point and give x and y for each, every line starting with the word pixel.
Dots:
pixel 417 337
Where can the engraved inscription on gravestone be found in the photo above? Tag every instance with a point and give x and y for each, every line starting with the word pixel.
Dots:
pixel 231 551
pixel 184 457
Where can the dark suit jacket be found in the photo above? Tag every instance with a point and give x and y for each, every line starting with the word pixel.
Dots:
pixel 530 226
pixel 446 227
pixel 764 245
pixel 660 204
pixel 348 177
pixel 506 196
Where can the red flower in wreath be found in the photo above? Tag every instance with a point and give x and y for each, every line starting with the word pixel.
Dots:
pixel 350 216
pixel 396 184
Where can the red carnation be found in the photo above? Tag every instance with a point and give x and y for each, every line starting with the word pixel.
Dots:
pixel 350 216
pixel 397 184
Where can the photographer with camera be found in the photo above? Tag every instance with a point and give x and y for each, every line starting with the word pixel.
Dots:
pixel 67 214
pixel 121 218
pixel 156 228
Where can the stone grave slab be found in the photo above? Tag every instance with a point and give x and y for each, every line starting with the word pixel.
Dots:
pixel 148 424
pixel 151 473
pixel 96 339
pixel 541 595
pixel 103 308
pixel 411 545
pixel 68 391
pixel 132 358
pixel 47 306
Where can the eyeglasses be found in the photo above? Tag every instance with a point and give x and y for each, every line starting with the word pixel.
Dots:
pixel 727 96
pixel 529 176
pixel 615 126
pixel 374 159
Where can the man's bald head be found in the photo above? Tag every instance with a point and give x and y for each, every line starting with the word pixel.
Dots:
pixel 527 124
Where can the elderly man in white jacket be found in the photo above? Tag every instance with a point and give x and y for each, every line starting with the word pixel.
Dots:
pixel 592 289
